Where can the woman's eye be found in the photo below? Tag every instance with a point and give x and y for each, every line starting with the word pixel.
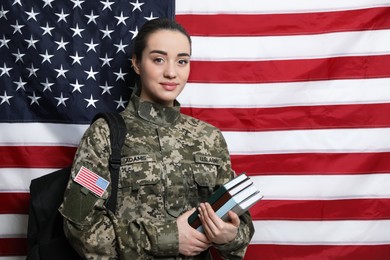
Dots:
pixel 183 62
pixel 158 60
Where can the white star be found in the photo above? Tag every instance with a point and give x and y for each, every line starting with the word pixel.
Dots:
pixel 120 102
pixel 91 18
pixel 91 73
pixel 106 60
pixel 107 4
pixel 106 88
pixel 46 57
pixel 5 98
pixel 91 46
pixel 32 14
pixel 77 86
pixel 47 85
pixel 17 2
pixel 17 27
pixel 32 70
pixel 61 100
pixel 20 84
pixel 120 47
pixel 106 32
pixel 18 56
pixel 31 42
pixel 61 44
pixel 4 42
pixel 5 70
pixel 120 75
pixel 91 101
pixel 137 5
pixel 121 19
pixel 3 13
pixel 34 99
pixel 77 31
pixel 135 33
pixel 48 2
pixel 76 58
pixel 77 3
pixel 61 72
pixel 151 17
pixel 47 29
pixel 62 16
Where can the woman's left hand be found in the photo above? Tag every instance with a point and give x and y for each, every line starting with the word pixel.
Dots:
pixel 217 230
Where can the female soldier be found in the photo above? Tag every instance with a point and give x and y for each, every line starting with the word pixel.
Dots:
pixel 163 174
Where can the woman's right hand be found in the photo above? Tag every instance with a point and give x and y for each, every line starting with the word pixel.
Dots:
pixel 191 241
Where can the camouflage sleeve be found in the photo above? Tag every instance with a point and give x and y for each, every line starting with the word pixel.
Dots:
pixel 236 248
pixel 95 232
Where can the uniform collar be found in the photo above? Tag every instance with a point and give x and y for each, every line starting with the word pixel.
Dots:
pixel 156 113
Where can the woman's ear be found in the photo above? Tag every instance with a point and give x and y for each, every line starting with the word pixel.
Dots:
pixel 134 64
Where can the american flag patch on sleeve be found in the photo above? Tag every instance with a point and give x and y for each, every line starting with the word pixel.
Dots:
pixel 91 181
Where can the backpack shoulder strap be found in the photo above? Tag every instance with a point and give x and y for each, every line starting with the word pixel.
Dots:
pixel 117 137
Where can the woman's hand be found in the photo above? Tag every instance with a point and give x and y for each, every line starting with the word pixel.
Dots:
pixel 217 230
pixel 191 241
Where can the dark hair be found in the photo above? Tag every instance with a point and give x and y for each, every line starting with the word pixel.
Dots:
pixel 152 26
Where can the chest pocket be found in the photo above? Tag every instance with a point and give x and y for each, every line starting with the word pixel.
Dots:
pixel 205 172
pixel 138 184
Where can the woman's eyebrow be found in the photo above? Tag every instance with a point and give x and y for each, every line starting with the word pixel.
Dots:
pixel 183 54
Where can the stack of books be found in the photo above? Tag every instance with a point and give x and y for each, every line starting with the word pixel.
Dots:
pixel 237 195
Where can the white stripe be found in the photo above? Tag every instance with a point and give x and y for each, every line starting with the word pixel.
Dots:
pixel 13 225
pixel 322 232
pixel 302 141
pixel 275 6
pixel 323 187
pixel 291 47
pixel 12 257
pixel 331 92
pixel 19 179
pixel 41 134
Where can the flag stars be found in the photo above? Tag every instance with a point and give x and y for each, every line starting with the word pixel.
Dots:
pixel 18 56
pixel 107 4
pixel 5 98
pixel 31 42
pixel 3 13
pixel 17 2
pixel 61 100
pixel 91 101
pixel 17 27
pixel 106 60
pixel 135 32
pixel 120 102
pixel 47 85
pixel 121 19
pixel 61 44
pixel 106 32
pixel 151 17
pixel 4 42
pixel 32 14
pixel 92 18
pixel 62 16
pixel 76 58
pixel 91 73
pixel 61 72
pixel 46 57
pixel 47 29
pixel 91 46
pixel 20 84
pixel 120 75
pixel 5 70
pixel 76 86
pixel 137 5
pixel 121 47
pixel 77 31
pixel 77 3
pixel 106 88
pixel 34 99
pixel 48 2
pixel 32 71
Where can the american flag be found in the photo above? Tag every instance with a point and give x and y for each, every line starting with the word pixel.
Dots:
pixel 90 180
pixel 300 90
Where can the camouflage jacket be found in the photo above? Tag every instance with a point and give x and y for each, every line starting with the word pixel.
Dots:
pixel 170 163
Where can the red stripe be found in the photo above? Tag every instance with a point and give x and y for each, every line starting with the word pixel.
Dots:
pixel 312 163
pixel 88 179
pixel 13 246
pixel 14 203
pixel 36 156
pixel 353 209
pixel 317 252
pixel 293 118
pixel 286 24
pixel 268 71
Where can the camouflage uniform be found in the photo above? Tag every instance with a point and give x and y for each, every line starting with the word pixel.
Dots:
pixel 170 163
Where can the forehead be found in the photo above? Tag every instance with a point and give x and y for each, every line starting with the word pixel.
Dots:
pixel 168 40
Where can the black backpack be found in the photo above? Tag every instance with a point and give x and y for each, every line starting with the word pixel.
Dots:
pixel 45 235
